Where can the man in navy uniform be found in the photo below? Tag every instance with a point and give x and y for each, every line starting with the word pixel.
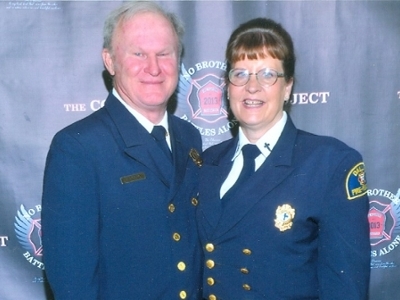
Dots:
pixel 118 213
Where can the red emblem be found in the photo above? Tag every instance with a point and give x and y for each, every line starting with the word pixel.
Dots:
pixel 381 222
pixel 210 99
pixel 204 96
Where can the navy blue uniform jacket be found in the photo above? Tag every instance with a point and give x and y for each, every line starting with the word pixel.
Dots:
pixel 116 224
pixel 297 229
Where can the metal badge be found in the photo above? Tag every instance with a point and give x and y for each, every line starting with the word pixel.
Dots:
pixel 196 157
pixel 284 217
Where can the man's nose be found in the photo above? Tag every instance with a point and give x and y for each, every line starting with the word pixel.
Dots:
pixel 152 67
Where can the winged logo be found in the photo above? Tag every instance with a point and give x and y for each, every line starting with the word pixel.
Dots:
pixel 204 96
pixel 396 210
pixel 28 231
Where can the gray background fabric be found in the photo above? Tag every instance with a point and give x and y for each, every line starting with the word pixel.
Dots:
pixel 347 86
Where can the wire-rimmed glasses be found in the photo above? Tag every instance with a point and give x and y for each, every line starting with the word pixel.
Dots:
pixel 265 77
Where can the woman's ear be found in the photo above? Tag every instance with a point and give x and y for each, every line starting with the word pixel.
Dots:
pixel 288 90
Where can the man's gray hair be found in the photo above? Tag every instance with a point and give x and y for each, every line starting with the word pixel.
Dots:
pixel 130 9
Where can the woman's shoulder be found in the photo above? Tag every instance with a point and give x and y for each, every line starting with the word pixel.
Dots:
pixel 326 146
pixel 321 140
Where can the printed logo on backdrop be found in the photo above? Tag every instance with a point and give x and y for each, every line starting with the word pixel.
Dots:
pixel 384 222
pixel 28 230
pixel 33 5
pixel 201 101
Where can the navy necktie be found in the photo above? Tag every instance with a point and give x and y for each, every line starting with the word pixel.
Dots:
pixel 159 134
pixel 250 152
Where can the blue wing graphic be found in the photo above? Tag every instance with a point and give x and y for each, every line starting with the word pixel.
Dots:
pixel 396 210
pixel 183 92
pixel 184 84
pixel 23 227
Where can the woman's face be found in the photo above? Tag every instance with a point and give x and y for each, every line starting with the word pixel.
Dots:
pixel 258 107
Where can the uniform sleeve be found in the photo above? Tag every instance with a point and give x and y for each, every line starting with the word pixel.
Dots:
pixel 70 221
pixel 344 245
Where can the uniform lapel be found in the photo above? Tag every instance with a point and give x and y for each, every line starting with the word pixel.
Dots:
pixel 180 156
pixel 274 170
pixel 137 142
pixel 212 175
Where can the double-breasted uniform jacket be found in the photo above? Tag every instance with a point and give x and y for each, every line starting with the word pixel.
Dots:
pixel 118 221
pixel 297 229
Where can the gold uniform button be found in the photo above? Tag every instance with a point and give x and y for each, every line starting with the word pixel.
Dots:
pixel 210 264
pixel 244 270
pixel 210 247
pixel 181 266
pixel 246 251
pixel 176 236
pixel 210 281
pixel 195 201
pixel 171 208
pixel 246 287
pixel 182 295
pixel 212 297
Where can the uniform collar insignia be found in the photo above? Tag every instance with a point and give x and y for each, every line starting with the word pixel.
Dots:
pixel 195 156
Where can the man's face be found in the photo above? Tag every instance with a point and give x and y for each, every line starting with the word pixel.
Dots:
pixel 144 62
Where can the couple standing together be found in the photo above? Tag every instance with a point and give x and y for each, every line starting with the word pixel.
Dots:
pixel 132 208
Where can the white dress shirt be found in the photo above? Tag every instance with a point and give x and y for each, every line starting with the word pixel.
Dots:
pixel 144 121
pixel 265 144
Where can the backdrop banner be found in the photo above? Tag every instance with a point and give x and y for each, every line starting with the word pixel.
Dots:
pixel 347 86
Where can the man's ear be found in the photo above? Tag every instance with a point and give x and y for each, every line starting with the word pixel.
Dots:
pixel 108 61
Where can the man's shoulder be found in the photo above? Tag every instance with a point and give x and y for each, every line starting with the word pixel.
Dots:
pixel 91 125
pixel 215 152
pixel 180 122
pixel 184 128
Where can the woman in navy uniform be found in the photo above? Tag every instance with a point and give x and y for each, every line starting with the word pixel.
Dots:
pixel 297 227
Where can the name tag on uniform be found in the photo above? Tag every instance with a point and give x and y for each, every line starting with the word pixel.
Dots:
pixel 132 178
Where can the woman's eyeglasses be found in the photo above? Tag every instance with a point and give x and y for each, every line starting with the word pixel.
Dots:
pixel 265 77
